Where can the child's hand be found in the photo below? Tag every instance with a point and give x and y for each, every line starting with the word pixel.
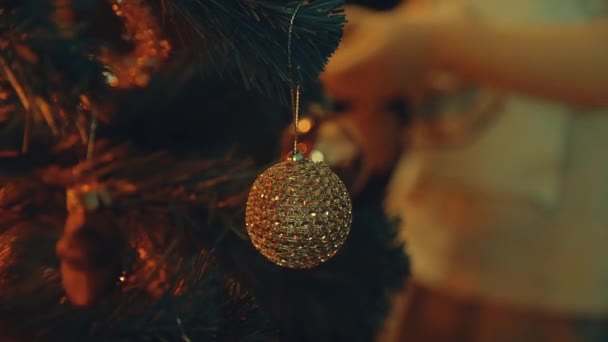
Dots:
pixel 364 144
pixel 385 55
pixel 382 55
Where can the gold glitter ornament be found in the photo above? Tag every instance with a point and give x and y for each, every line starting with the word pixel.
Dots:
pixel 298 213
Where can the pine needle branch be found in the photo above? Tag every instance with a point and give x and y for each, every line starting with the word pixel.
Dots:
pixel 251 36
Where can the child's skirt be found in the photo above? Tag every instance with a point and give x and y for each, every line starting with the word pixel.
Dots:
pixel 425 315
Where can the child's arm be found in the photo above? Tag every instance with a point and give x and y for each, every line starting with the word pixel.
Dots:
pixel 565 62
pixel 387 54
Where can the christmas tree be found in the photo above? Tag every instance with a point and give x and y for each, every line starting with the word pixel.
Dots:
pixel 130 134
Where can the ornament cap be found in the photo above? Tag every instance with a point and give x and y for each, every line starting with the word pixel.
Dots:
pixel 297 156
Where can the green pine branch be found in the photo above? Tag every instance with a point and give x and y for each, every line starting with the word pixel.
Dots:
pixel 252 36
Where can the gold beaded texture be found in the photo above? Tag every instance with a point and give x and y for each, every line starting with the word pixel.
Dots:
pixel 298 214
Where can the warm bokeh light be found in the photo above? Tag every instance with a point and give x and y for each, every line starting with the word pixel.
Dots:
pixel 317 156
pixel 305 125
pixel 302 147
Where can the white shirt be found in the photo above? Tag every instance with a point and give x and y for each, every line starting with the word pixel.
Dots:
pixel 519 214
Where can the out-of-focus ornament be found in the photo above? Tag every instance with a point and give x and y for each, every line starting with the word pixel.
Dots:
pixel 90 247
pixel 298 212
